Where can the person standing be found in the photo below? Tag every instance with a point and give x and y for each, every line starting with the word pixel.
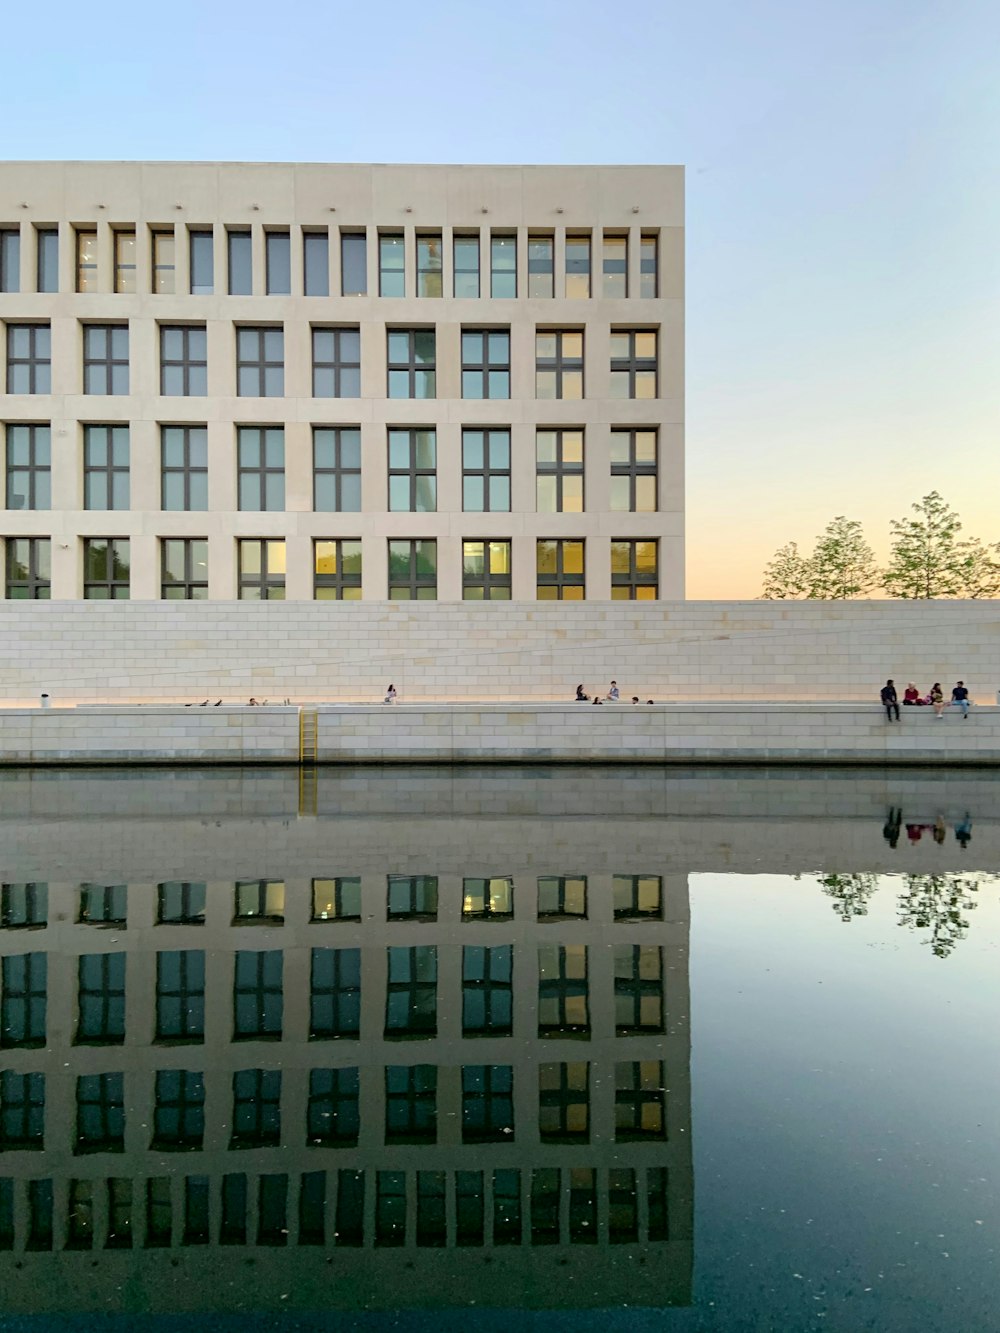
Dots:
pixel 960 697
pixel 889 700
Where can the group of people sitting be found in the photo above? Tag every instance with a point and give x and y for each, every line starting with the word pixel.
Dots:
pixel 912 698
pixel 613 696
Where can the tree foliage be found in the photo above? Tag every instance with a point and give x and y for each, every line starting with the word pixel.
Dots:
pixel 842 565
pixel 937 903
pixel 927 559
pixel 786 574
pixel 850 893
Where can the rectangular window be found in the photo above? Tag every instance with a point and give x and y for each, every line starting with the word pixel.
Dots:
pixel 179 1110
pixel 316 263
pixel 413 570
pixel 24 906
pixel 332 1116
pixel 623 1209
pixel 487 990
pixel 336 899
pixel 391 264
pixel 29 467
pixel 432 1218
pixel 105 467
pixel 487 899
pixel 105 358
pixel 412 471
pixel 240 263
pixel 335 996
pixel 278 260
pixel 558 364
pixel 541 266
pixel 256 1109
pixel 233 1227
pixel 312 1208
pixel 578 267
pixel 260 363
pixel 649 265
pixel 640 1101
pixel 633 364
pixel 503 266
pixel 180 903
pixel 29 358
pixel 546 1192
pixel 100 1113
pixel 564 1102
pixel 159 1213
pixel 485 363
pixel 656 1203
pixel 429 262
pixel 411 1103
pixel 638 989
pixel 180 995
pixel 202 255
pixel 39 1215
pixel 184 462
pixel 559 479
pixel 47 274
pixel 583 1205
pixel 465 252
pixel 507 1208
pixel 390 1208
pixel 23 999
pixel 470 1210
pixel 10 260
pixel 336 363
pixel 559 570
pixel 257 995
pixel 195 1211
pixel 22 1111
pixel 562 897
pixel 103 904
pixel 101 1008
pixel 261 468
pixel 411 898
pixel 29 568
pixel 486 471
pixel 563 1006
pixel 124 261
pixel 349 1219
pixel 411 992
pixel 86 260
pixel 106 568
pixel 633 471
pixel 6 1213
pixel 637 897
pixel 261 569
pixel 411 363
pixel 487 1104
pixel 164 265
pixel 337 565
pixel 183 361
pixel 353 263
pixel 259 902
pixel 486 571
pixel 615 266
pixel 634 571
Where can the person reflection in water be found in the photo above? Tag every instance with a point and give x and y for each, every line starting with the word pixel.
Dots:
pixel 893 824
pixel 963 830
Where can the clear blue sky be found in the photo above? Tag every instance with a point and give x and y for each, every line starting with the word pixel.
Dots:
pixel 843 192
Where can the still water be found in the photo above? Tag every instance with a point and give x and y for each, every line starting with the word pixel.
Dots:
pixel 457 1048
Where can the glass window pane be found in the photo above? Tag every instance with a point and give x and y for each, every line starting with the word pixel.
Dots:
pixel 240 264
pixel 645 495
pixel 472 495
pixel 316 259
pixel 573 557
pixel 278 248
pixel 620 495
pixel 353 264
pixel 500 494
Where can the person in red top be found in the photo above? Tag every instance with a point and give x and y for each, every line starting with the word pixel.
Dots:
pixel 911 696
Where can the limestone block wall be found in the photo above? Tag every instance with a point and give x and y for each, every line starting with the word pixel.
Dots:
pixel 154 652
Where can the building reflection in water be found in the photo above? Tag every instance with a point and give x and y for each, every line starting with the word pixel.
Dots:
pixel 468 1082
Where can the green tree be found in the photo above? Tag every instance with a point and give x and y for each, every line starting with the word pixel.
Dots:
pixel 937 903
pixel 843 564
pixel 786 574
pixel 850 893
pixel 980 569
pixel 927 559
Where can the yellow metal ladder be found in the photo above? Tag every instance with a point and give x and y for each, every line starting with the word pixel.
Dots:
pixel 308 756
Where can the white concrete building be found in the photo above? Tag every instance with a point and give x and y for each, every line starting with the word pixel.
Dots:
pixel 339 382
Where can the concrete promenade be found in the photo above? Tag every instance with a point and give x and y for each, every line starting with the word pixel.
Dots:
pixel 524 733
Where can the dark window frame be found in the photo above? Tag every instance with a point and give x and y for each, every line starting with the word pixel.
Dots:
pixel 10 259
pixel 193 587
pixel 541 265
pixel 333 1109
pixel 38 359
pixel 277 262
pixel 414 582
pixel 633 468
pixel 415 472
pixel 335 440
pixel 86 269
pixel 344 584
pixel 348 237
pixel 582 264
pixel 180 1005
pixel 487 472
pixel 560 579
pixel 114 588
pixel 635 579
pixel 264 581
pixel 254 362
pixel 113 476
pixel 343 363
pixel 188 913
pixel 427 271
pixel 494 587
pixel 191 365
pixel 201 251
pixel 466 243
pixel 498 243
pixel 418 1018
pixel 421 897
pixel 483 366
pixel 315 262
pixel 560 364
pixel 256 1096
pixel 334 994
pixel 560 911
pixel 488 1109
pixel 257 892
pixel 32 912
pixel 411 1103
pixel 101 1096
pixel 263 476
pixel 187 470
pixel 159 237
pixel 125 272
pixel 258 999
pixel 386 271
pixel 22 1111
pixel 23 1000
pixel 238 257
pixel 108 363
pixel 632 987
pixel 418 371
pixel 47 259
pixel 37 581
pixel 183 1105
pixel 101 1000
pixel 561 469
pixel 488 982
pixel 103 905
pixel 341 884
pixel 632 1095
pixel 614 266
pixel 561 1098
pixel 32 477
pixel 559 988
pixel 632 910
pixel 634 365
pixel 649 266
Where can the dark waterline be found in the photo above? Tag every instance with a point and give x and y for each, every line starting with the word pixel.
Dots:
pixel 812 955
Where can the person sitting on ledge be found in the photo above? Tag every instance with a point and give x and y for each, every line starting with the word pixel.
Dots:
pixel 635 698
pixel 911 697
pixel 613 695
pixel 581 695
pixel 960 698
pixel 253 703
pixel 390 695
pixel 595 700
pixel 935 696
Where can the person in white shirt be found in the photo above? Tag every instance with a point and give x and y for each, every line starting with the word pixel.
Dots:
pixel 390 695
pixel 613 692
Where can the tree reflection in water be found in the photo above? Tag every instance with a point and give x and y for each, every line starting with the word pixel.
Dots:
pixel 850 893
pixel 936 903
